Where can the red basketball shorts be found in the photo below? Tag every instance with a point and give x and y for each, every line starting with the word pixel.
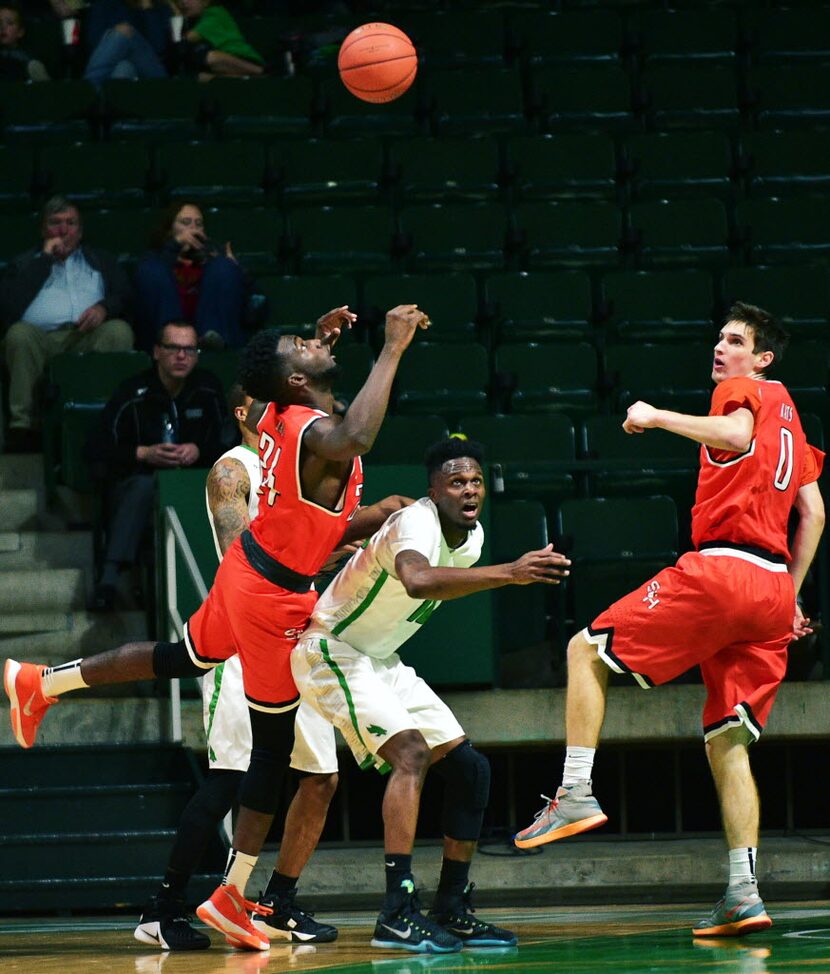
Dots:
pixel 245 613
pixel 730 613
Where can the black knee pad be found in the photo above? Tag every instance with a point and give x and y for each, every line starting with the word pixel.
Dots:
pixel 466 774
pixel 172 660
pixel 273 739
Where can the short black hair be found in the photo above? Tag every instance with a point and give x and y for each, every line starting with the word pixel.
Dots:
pixel 172 324
pixel 769 334
pixel 452 448
pixel 261 366
pixel 236 396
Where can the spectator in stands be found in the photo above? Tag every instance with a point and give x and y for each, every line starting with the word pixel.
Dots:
pixel 213 44
pixel 171 415
pixel 62 296
pixel 128 39
pixel 16 64
pixel 188 277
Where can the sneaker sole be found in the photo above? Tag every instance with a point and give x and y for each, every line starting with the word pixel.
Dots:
pixel 583 825
pixel 208 914
pixel 10 672
pixel 424 947
pixel 150 933
pixel 294 936
pixel 750 925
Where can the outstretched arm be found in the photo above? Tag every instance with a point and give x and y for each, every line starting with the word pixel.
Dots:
pixel 423 581
pixel 732 432
pixel 228 488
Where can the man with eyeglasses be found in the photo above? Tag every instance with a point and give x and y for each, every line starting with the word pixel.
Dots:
pixel 170 415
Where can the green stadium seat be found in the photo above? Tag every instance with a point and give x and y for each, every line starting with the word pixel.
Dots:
pixel 787 230
pixel 451 300
pixel 215 172
pixel 446 170
pixel 787 162
pixel 678 164
pixel 157 110
pixel 456 236
pixel 126 235
pixel 563 166
pixel 668 376
pixel 680 232
pixel 566 233
pixel 655 305
pixel 104 174
pixel 476 100
pixel 224 364
pixel 21 232
pixel 268 109
pixel 343 115
pixel 59 112
pixel 316 171
pixel 700 34
pixel 532 452
pixel 804 371
pixel 343 238
pixel 541 36
pixel 798 296
pixel 790 35
pixel 297 302
pixel 443 38
pixel 17 173
pixel 539 306
pixel 813 429
pixel 549 378
pixel 795 94
pixel 255 235
pixel 356 361
pixel 450 380
pixel 696 95
pixel 405 439
pixel 591 96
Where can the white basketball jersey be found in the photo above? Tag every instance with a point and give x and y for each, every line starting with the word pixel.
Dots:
pixel 366 605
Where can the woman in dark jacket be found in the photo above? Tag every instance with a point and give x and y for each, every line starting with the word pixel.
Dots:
pixel 188 277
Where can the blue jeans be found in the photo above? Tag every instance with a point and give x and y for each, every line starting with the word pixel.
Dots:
pixel 219 309
pixel 119 56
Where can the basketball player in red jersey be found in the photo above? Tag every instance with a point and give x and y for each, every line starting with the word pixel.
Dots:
pixel 729 606
pixel 261 598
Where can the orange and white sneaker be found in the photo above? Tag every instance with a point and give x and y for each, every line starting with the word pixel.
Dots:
pixel 28 703
pixel 227 911
pixel 573 810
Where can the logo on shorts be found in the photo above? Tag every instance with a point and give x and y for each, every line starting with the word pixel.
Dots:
pixel 294 633
pixel 651 594
pixel 376 731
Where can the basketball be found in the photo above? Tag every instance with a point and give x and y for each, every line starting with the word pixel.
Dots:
pixel 377 62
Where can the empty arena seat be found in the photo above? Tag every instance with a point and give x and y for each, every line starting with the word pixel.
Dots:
pixel 690 95
pixel 563 166
pixel 159 109
pixel 549 378
pixel 680 231
pixel 676 164
pixel 539 306
pixel 476 100
pixel 446 169
pixel 456 236
pixel 270 109
pixel 449 380
pixel 570 233
pixel 215 172
pixel 650 305
pixel 310 171
pixel 102 174
pixel 568 36
pixel 787 230
pixel 799 295
pixel 708 34
pixel 672 376
pixel 583 95
pixel 296 302
pixel 57 111
pixel 342 238
pixel 405 439
pixel 451 300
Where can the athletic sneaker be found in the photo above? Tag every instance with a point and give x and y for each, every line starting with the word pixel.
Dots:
pixel 28 704
pixel 740 911
pixel 472 932
pixel 404 927
pixel 227 911
pixel 165 923
pixel 573 810
pixel 287 921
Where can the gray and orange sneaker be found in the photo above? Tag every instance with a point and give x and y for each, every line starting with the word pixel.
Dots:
pixel 740 911
pixel 573 810
pixel 28 702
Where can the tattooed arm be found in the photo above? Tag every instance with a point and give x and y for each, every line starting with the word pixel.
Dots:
pixel 228 486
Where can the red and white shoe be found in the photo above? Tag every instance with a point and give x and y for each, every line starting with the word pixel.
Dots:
pixel 227 911
pixel 28 703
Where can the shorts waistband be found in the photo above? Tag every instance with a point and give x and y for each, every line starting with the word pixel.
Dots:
pixel 273 570
pixel 747 552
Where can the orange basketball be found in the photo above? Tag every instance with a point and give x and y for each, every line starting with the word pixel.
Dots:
pixel 377 62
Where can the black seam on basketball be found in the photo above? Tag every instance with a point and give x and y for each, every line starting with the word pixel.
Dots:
pixel 375 91
pixel 372 64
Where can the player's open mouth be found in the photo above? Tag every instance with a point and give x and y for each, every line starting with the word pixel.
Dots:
pixel 470 509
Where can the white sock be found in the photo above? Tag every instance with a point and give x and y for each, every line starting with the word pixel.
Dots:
pixel 238 870
pixel 742 863
pixel 56 680
pixel 579 762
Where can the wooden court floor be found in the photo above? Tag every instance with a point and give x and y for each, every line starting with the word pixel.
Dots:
pixel 583 940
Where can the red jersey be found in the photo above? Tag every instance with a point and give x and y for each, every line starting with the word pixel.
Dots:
pixel 746 498
pixel 291 528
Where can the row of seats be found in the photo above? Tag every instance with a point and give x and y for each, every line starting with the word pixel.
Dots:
pixel 540 167
pixel 595 95
pixel 487 236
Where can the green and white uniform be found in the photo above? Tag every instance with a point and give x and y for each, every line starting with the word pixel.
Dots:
pixel 225 710
pixel 346 664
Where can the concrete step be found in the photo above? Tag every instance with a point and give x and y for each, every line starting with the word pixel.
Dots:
pixel 52 590
pixel 21 470
pixel 72 635
pixel 44 549
pixel 19 509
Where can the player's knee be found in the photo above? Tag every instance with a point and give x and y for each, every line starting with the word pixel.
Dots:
pixel 579 649
pixel 320 788
pixel 172 661
pixel 407 752
pixel 466 773
pixel 260 788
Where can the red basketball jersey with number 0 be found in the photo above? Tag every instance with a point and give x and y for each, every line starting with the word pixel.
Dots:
pixel 746 498
pixel 291 528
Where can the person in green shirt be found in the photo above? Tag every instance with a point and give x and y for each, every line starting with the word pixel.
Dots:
pixel 214 45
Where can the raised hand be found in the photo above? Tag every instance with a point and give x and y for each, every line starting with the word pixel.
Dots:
pixel 544 565
pixel 331 324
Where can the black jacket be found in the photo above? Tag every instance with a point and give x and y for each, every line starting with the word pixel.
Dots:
pixel 135 417
pixel 27 274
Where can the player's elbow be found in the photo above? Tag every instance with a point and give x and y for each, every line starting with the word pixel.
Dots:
pixel 417 587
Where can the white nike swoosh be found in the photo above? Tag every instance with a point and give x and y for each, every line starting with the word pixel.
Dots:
pixel 27 709
pixel 462 931
pixel 399 933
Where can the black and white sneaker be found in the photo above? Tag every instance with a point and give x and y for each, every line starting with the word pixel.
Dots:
pixel 165 923
pixel 289 922
pixel 404 927
pixel 460 921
